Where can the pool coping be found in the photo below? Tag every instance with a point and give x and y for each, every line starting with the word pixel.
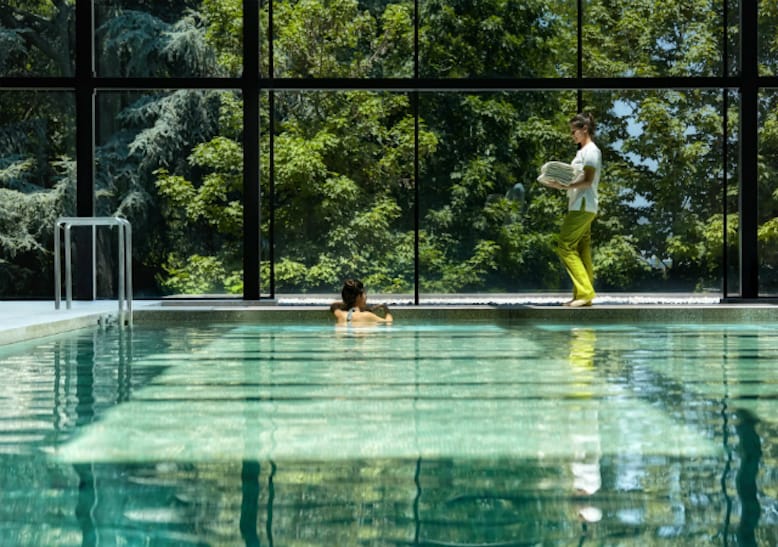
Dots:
pixel 24 321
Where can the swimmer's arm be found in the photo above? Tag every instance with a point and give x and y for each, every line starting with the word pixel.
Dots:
pixel 370 314
pixel 387 318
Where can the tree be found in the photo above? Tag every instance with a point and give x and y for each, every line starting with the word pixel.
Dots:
pixel 343 172
pixel 37 173
pixel 39 37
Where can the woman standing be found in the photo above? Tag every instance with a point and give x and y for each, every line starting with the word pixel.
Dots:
pixel 575 237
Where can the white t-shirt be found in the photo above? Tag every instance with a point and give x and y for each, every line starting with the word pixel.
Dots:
pixel 587 156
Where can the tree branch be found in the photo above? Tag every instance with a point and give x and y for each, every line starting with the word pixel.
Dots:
pixel 33 29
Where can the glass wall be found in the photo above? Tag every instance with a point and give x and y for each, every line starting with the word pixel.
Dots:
pixel 37 185
pixel 171 161
pixel 768 44
pixel 342 39
pixel 486 224
pixel 494 39
pixel 731 190
pixel 343 175
pixel 36 38
pixel 661 221
pixel 404 156
pixel 653 38
pixel 768 194
pixel 167 38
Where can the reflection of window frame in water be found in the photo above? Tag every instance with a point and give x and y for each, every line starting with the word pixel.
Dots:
pixel 750 449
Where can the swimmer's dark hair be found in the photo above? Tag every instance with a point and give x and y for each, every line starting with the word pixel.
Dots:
pixel 352 289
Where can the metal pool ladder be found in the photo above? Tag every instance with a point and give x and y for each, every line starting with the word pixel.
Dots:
pixel 125 260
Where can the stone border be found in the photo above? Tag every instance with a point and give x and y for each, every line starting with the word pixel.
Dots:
pixel 34 331
pixel 285 314
pixel 719 313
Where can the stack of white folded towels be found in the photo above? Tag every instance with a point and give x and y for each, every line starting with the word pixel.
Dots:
pixel 562 172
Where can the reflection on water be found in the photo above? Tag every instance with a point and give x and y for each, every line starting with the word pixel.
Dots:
pixel 586 450
pixel 577 463
pixel 750 448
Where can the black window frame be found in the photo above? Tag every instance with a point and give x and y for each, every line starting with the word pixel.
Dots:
pixel 747 83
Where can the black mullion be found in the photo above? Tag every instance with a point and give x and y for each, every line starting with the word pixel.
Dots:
pixel 85 142
pixel 85 122
pixel 724 150
pixel 393 84
pixel 272 192
pixel 505 84
pixel 416 181
pixel 251 207
pixel 416 196
pixel 749 143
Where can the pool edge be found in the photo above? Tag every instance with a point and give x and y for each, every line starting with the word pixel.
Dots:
pixel 38 325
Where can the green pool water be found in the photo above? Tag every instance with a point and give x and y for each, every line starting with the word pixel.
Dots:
pixel 468 433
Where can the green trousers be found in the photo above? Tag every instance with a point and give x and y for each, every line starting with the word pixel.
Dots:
pixel 575 250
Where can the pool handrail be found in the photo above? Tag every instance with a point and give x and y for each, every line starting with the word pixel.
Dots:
pixel 125 260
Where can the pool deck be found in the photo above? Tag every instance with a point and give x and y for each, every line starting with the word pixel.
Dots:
pixel 27 320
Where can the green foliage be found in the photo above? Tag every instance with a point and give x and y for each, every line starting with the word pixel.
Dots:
pixel 652 38
pixel 11 47
pixel 35 37
pixel 322 38
pixel 26 228
pixel 224 32
pixel 196 275
pixel 343 172
pixel 767 187
pixel 491 38
pixel 618 263
pixel 37 184
pixel 344 188
pixel 141 43
pixel 213 206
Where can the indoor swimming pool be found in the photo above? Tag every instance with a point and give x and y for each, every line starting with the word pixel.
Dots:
pixel 457 434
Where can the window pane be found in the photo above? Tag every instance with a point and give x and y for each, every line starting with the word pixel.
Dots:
pixel 768 38
pixel 768 194
pixel 343 191
pixel 653 38
pixel 733 38
pixel 171 162
pixel 266 286
pixel 661 224
pixel 337 39
pixel 37 185
pixel 487 225
pixel 169 38
pixel 732 259
pixel 660 221
pixel 497 39
pixel 35 38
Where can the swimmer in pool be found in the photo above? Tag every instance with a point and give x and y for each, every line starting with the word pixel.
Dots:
pixel 353 309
